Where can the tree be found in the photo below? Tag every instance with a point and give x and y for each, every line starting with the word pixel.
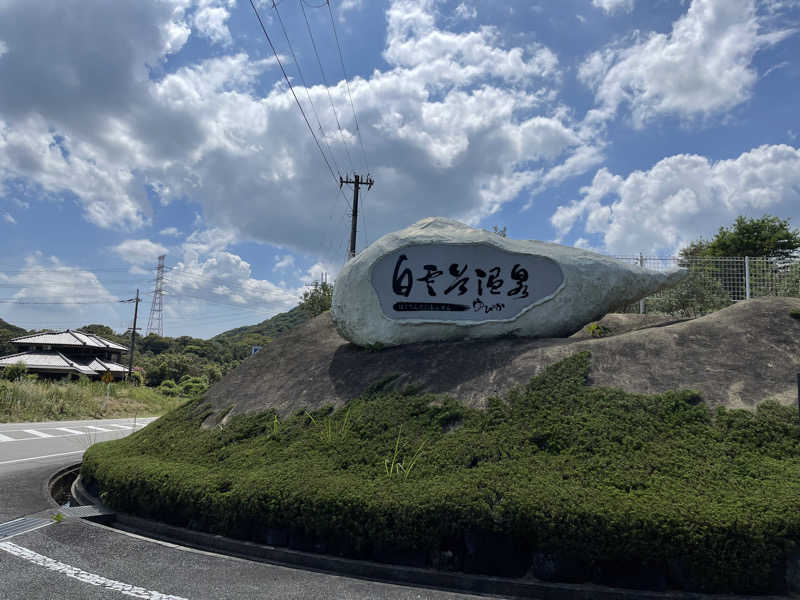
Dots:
pixel 768 236
pixel 318 299
pixel 15 372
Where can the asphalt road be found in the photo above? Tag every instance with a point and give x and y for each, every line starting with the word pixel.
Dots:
pixel 77 559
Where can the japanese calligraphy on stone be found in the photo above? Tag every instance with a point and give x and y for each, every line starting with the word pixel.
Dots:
pixel 462 282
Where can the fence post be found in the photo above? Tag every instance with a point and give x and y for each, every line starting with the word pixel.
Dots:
pixel 641 302
pixel 747 278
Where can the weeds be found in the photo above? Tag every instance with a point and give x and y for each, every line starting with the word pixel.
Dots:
pixel 55 400
pixel 329 431
pixel 396 467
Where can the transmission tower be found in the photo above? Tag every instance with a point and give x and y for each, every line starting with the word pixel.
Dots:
pixel 155 323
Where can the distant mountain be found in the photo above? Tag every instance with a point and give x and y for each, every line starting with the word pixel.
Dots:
pixel 7 332
pixel 271 328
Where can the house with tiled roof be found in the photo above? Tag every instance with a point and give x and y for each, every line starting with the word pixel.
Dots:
pixel 67 353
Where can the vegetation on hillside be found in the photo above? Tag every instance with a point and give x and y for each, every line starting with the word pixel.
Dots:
pixel 31 400
pixel 185 366
pixel 599 481
pixel 8 332
pixel 767 236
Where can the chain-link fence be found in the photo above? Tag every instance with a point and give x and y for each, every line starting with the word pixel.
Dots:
pixel 717 282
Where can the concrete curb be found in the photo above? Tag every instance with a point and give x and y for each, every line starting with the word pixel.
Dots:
pixel 451 581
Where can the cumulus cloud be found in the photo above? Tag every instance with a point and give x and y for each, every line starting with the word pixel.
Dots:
pixel 171 232
pixel 684 197
pixel 283 262
pixel 701 68
pixel 464 11
pixel 210 275
pixel 48 279
pixel 138 252
pixel 611 6
pixel 210 22
pixel 461 121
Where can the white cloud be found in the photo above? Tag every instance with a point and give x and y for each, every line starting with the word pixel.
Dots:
pixel 464 11
pixel 684 197
pixel 49 280
pixel 611 6
pixel 210 21
pixel 3 48
pixel 171 232
pixel 456 121
pixel 283 262
pixel 210 275
pixel 8 218
pixel 320 271
pixel 138 252
pixel 701 68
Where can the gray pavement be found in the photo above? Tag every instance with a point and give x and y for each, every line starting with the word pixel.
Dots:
pixel 25 444
pixel 78 559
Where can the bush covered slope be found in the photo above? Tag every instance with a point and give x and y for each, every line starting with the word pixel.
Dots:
pixel 597 481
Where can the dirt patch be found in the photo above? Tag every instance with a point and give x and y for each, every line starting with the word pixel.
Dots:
pixel 738 357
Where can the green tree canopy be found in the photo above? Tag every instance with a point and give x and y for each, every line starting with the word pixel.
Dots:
pixel 768 236
pixel 318 299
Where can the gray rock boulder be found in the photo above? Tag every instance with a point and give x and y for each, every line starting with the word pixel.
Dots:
pixel 442 280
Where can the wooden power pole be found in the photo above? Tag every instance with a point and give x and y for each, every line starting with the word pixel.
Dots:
pixel 356 181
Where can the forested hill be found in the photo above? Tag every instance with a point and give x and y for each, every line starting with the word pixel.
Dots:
pixel 7 332
pixel 163 358
pixel 271 328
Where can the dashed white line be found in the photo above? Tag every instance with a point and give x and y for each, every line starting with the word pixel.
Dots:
pixel 40 434
pixel 84 576
pixel 96 428
pixel 68 430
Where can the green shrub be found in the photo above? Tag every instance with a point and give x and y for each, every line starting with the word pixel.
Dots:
pixel 596 330
pixel 15 371
pixel 169 388
pixel 553 466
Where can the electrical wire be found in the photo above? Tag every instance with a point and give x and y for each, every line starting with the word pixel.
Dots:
pixel 305 87
pixel 347 83
pixel 327 87
pixel 291 88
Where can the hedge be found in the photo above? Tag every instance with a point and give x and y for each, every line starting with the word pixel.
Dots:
pixel 556 479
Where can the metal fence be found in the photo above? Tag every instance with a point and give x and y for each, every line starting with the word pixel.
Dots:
pixel 716 282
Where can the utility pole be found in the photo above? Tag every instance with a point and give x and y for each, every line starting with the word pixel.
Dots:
pixel 356 181
pixel 133 331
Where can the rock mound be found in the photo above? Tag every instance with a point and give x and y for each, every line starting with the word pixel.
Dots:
pixel 737 357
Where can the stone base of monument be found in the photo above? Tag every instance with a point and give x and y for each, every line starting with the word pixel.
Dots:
pixel 313 366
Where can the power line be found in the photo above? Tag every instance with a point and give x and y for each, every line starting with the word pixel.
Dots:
pixel 64 303
pixel 305 86
pixel 347 83
pixel 291 88
pixel 327 87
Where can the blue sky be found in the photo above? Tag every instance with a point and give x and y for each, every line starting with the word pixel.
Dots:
pixel 145 127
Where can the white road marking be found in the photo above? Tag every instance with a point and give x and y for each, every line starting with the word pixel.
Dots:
pixel 37 433
pixel 84 576
pixel 120 426
pixel 8 462
pixel 68 430
pixel 5 438
pixel 97 428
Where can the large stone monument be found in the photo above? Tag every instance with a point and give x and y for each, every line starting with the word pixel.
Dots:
pixel 442 280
